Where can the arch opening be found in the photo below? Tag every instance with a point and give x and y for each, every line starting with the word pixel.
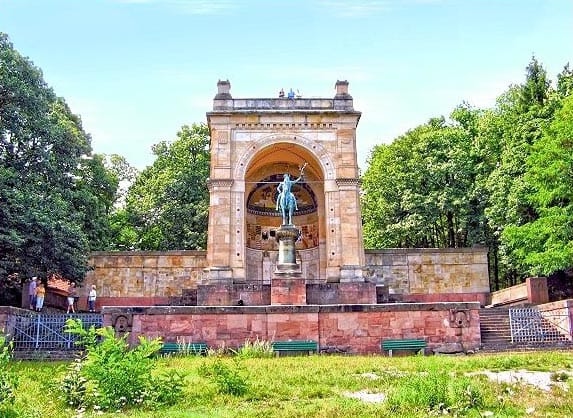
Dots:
pixel 262 176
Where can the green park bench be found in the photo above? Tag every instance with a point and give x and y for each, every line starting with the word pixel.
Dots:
pixel 407 345
pixel 307 346
pixel 184 348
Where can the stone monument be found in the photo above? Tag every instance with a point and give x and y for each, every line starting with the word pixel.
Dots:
pixel 253 243
pixel 287 288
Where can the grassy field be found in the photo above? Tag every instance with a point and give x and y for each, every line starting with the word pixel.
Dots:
pixel 321 386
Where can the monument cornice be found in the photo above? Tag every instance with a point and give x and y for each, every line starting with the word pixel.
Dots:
pixel 346 182
pixel 211 183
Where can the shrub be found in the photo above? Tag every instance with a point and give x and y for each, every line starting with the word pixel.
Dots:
pixel 113 376
pixel 8 379
pixel 228 378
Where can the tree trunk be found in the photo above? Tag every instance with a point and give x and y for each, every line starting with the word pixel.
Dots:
pixel 451 231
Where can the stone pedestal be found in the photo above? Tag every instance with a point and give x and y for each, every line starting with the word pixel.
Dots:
pixel 286 236
pixel 287 285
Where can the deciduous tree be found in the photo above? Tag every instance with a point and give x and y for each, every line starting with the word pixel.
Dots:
pixel 168 204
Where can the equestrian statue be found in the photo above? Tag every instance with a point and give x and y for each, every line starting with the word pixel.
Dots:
pixel 286 201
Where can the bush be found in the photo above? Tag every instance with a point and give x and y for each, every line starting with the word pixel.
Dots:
pixel 8 379
pixel 228 378
pixel 113 376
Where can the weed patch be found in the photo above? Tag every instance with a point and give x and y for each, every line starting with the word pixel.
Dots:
pixel 228 376
pixel 113 377
pixel 8 379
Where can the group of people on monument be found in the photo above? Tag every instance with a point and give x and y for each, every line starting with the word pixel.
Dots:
pixel 37 295
pixel 290 95
pixel 73 297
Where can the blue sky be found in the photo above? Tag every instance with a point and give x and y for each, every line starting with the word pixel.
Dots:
pixel 137 70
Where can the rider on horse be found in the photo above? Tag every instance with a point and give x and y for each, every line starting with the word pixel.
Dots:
pixel 286 201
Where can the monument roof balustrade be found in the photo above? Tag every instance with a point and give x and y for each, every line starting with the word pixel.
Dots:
pixel 305 104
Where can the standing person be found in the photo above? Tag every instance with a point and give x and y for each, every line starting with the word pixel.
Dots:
pixel 32 292
pixel 92 298
pixel 72 293
pixel 40 295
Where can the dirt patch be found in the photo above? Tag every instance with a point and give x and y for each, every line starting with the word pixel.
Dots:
pixel 366 396
pixel 541 380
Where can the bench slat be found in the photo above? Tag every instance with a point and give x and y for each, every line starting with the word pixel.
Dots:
pixel 407 344
pixel 310 346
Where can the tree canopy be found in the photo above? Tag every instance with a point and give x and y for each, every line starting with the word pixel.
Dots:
pixel 54 193
pixel 167 205
pixel 497 177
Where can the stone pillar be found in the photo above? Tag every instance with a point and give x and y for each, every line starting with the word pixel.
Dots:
pixel 288 291
pixel 537 292
pixel 219 247
pixel 352 258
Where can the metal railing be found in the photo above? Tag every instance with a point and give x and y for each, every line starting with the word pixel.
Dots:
pixel 530 325
pixel 34 331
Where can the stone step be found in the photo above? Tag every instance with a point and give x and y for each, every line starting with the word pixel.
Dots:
pixel 495 333
pixel 490 348
pixel 41 354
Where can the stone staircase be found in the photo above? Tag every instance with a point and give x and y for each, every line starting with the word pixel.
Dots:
pixel 495 329
pixel 496 334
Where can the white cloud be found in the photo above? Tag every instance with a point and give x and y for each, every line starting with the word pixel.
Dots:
pixel 354 9
pixel 344 8
pixel 196 7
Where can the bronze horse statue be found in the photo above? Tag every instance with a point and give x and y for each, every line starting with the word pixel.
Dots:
pixel 286 201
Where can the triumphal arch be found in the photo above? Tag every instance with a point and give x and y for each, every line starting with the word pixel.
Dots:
pixel 258 256
pixel 254 142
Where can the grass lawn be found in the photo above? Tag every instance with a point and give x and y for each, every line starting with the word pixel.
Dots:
pixel 323 386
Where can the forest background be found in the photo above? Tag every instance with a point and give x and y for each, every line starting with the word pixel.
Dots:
pixel 499 177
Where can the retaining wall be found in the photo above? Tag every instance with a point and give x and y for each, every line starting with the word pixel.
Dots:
pixel 401 275
pixel 355 329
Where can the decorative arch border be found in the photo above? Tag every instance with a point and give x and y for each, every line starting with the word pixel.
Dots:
pixel 314 148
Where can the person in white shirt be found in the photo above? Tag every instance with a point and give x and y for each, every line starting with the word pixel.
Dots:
pixel 92 298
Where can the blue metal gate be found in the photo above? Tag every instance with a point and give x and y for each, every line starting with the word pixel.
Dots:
pixel 34 331
pixel 530 325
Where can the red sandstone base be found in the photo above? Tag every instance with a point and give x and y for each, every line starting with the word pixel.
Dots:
pixel 288 291
pixel 353 329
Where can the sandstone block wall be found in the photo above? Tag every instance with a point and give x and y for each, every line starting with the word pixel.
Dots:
pixel 143 277
pixel 513 295
pixel 413 275
pixel 429 271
